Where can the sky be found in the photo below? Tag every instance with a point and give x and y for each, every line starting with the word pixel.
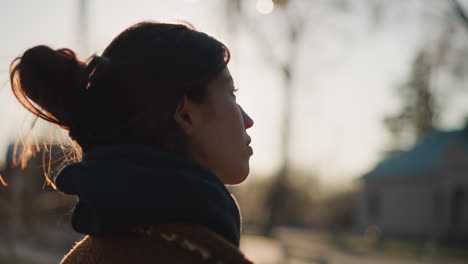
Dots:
pixel 344 77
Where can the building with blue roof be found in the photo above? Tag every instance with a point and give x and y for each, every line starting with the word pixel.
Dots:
pixel 421 192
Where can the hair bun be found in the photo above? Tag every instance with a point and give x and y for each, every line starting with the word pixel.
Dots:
pixel 50 79
pixel 37 54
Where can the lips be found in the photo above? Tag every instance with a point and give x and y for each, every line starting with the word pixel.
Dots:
pixel 250 150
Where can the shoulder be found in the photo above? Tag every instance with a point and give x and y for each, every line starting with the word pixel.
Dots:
pixel 168 243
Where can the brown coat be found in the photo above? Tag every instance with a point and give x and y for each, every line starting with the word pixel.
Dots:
pixel 157 244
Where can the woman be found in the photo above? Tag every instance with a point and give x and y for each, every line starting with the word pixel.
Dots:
pixel 161 134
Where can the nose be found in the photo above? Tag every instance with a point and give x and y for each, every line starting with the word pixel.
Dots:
pixel 248 122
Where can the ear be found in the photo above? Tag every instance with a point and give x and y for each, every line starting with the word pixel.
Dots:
pixel 183 115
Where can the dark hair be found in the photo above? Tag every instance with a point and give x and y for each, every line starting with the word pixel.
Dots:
pixel 129 94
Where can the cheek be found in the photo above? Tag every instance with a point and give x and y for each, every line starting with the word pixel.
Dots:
pixel 219 141
pixel 224 132
pixel 232 149
pixel 231 125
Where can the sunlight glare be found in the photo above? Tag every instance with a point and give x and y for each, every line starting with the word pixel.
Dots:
pixel 265 6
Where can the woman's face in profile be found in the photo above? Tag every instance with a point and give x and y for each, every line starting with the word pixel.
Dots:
pixel 217 133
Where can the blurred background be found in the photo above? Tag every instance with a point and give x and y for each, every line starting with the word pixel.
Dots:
pixel 360 135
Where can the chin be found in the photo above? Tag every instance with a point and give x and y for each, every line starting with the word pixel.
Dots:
pixel 238 178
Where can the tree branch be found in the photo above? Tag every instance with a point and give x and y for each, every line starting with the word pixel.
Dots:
pixel 460 12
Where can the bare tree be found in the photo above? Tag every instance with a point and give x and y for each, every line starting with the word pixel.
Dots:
pixel 421 104
pixel 460 11
pixel 294 21
pixel 82 26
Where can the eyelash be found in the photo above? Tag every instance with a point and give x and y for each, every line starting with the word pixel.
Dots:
pixel 234 91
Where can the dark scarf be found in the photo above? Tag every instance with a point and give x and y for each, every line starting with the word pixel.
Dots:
pixel 123 186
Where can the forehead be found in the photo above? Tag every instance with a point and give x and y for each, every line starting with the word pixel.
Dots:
pixel 224 77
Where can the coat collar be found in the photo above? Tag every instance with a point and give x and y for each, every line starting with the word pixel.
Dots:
pixel 198 239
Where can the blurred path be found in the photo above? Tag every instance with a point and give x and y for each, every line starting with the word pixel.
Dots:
pixel 289 247
pixel 305 247
pixel 27 253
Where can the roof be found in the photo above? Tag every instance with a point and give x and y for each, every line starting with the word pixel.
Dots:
pixel 422 158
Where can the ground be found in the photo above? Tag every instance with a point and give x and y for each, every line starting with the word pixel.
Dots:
pixel 292 246
pixel 289 246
